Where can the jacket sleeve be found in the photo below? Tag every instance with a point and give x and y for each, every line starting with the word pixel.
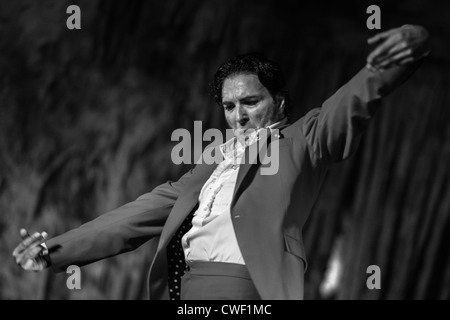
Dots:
pixel 117 231
pixel 334 130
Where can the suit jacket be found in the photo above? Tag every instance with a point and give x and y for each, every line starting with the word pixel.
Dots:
pixel 268 211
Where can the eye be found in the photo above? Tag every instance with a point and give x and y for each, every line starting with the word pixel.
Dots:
pixel 251 102
pixel 228 107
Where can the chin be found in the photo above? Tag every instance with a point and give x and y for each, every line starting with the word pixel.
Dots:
pixel 246 127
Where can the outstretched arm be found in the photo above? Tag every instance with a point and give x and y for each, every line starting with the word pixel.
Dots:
pixel 112 233
pixel 334 130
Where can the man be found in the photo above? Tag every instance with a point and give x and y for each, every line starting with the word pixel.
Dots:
pixel 240 231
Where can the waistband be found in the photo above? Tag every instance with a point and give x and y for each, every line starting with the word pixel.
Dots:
pixel 212 268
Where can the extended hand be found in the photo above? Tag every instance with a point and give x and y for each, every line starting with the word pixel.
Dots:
pixel 398 46
pixel 28 253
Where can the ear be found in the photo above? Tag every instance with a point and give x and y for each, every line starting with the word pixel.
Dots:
pixel 281 102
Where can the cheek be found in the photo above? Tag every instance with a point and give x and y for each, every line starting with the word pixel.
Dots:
pixel 256 117
pixel 229 117
pixel 262 114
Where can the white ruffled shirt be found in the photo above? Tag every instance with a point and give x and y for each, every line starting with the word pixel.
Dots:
pixel 212 236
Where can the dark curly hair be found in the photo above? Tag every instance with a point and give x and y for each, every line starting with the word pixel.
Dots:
pixel 269 74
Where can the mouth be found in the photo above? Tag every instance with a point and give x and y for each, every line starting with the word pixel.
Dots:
pixel 243 125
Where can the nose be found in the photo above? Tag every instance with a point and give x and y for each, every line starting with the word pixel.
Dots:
pixel 241 115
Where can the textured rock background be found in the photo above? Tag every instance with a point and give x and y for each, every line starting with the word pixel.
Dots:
pixel 86 118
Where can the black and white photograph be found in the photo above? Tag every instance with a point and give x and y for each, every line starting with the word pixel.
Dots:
pixel 224 150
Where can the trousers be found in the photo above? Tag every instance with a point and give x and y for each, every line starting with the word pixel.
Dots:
pixel 206 280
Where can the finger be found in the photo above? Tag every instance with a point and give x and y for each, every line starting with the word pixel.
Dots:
pixel 394 52
pixel 401 62
pixel 395 59
pixel 406 60
pixel 382 49
pixel 374 39
pixel 36 239
pixel 31 253
pixel 28 265
pixel 39 264
pixel 26 243
pixel 370 67
pixel 24 233
pixel 379 36
pixel 33 265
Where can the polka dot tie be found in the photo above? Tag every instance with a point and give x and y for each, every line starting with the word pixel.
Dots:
pixel 175 258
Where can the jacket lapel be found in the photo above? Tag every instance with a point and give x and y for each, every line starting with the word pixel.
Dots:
pixel 186 202
pixel 253 155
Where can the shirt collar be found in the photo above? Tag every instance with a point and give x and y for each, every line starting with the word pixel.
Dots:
pixel 247 139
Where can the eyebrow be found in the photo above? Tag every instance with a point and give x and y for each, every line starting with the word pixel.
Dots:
pixel 246 98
